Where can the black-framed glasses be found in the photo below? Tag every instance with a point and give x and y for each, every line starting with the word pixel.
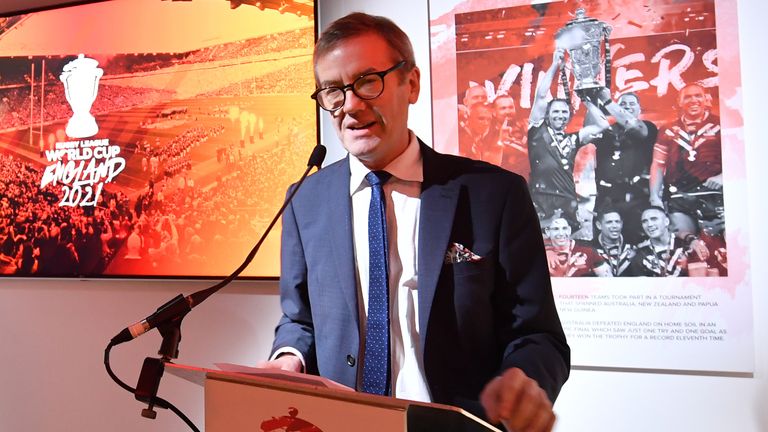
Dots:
pixel 367 86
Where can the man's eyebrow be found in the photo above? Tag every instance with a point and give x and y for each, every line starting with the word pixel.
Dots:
pixel 324 84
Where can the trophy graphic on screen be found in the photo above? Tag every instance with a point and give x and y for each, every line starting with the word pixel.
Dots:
pixel 81 83
pixel 586 41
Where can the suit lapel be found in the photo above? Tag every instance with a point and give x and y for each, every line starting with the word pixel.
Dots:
pixel 439 196
pixel 341 244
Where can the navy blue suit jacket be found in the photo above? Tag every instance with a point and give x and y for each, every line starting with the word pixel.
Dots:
pixel 476 319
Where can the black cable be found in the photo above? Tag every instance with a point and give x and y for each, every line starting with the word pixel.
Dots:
pixel 199 296
pixel 174 311
pixel 157 401
pixel 112 374
pixel 162 403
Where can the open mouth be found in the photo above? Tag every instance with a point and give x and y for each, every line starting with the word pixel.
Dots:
pixel 558 122
pixel 361 126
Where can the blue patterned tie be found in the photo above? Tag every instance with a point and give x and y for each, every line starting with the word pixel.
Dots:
pixel 376 359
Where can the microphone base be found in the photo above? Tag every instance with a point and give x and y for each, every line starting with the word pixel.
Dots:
pixel 149 383
pixel 149 413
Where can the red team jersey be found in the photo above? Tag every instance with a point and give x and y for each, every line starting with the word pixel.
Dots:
pixel 690 153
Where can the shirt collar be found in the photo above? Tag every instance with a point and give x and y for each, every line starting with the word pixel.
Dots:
pixel 688 123
pixel 409 166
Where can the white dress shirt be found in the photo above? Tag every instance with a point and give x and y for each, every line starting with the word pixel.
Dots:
pixel 403 202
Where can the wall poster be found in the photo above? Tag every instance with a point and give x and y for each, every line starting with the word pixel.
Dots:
pixel 625 119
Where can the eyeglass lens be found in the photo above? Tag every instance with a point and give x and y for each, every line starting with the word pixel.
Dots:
pixel 368 86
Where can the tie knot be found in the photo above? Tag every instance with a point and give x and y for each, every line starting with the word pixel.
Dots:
pixel 376 178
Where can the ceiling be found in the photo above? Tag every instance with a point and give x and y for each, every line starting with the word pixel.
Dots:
pixel 111 27
pixel 9 6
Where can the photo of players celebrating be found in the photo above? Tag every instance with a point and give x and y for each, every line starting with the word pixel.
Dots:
pixel 611 111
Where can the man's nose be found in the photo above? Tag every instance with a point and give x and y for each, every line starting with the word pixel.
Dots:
pixel 352 102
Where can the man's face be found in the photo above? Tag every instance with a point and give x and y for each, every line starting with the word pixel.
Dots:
pixel 692 101
pixel 655 223
pixel 474 95
pixel 504 108
pixel 375 131
pixel 558 115
pixel 559 232
pixel 630 105
pixel 713 227
pixel 610 226
pixel 480 117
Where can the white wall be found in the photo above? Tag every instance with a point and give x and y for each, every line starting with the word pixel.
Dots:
pixel 54 332
pixel 607 401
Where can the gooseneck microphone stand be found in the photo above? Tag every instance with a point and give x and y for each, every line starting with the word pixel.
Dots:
pixel 167 319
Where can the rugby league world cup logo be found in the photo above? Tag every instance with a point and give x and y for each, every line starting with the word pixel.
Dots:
pixel 81 84
pixel 82 166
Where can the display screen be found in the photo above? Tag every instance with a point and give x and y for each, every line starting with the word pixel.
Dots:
pixel 149 138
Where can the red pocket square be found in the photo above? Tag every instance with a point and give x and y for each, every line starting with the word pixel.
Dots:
pixel 457 253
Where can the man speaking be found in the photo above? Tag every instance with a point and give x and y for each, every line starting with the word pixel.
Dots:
pixel 410 273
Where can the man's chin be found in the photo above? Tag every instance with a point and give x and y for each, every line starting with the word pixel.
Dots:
pixel 361 147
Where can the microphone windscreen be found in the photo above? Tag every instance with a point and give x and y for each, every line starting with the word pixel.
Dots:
pixel 317 156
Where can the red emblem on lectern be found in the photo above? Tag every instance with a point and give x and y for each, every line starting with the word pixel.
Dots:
pixel 289 423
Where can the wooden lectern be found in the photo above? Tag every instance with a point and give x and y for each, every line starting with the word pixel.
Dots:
pixel 270 400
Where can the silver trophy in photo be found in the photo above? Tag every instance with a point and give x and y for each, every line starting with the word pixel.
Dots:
pixel 81 84
pixel 586 41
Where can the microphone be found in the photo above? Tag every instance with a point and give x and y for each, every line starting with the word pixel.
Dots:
pixel 178 307
pixel 316 158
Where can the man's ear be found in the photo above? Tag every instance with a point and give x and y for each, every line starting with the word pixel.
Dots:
pixel 414 80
